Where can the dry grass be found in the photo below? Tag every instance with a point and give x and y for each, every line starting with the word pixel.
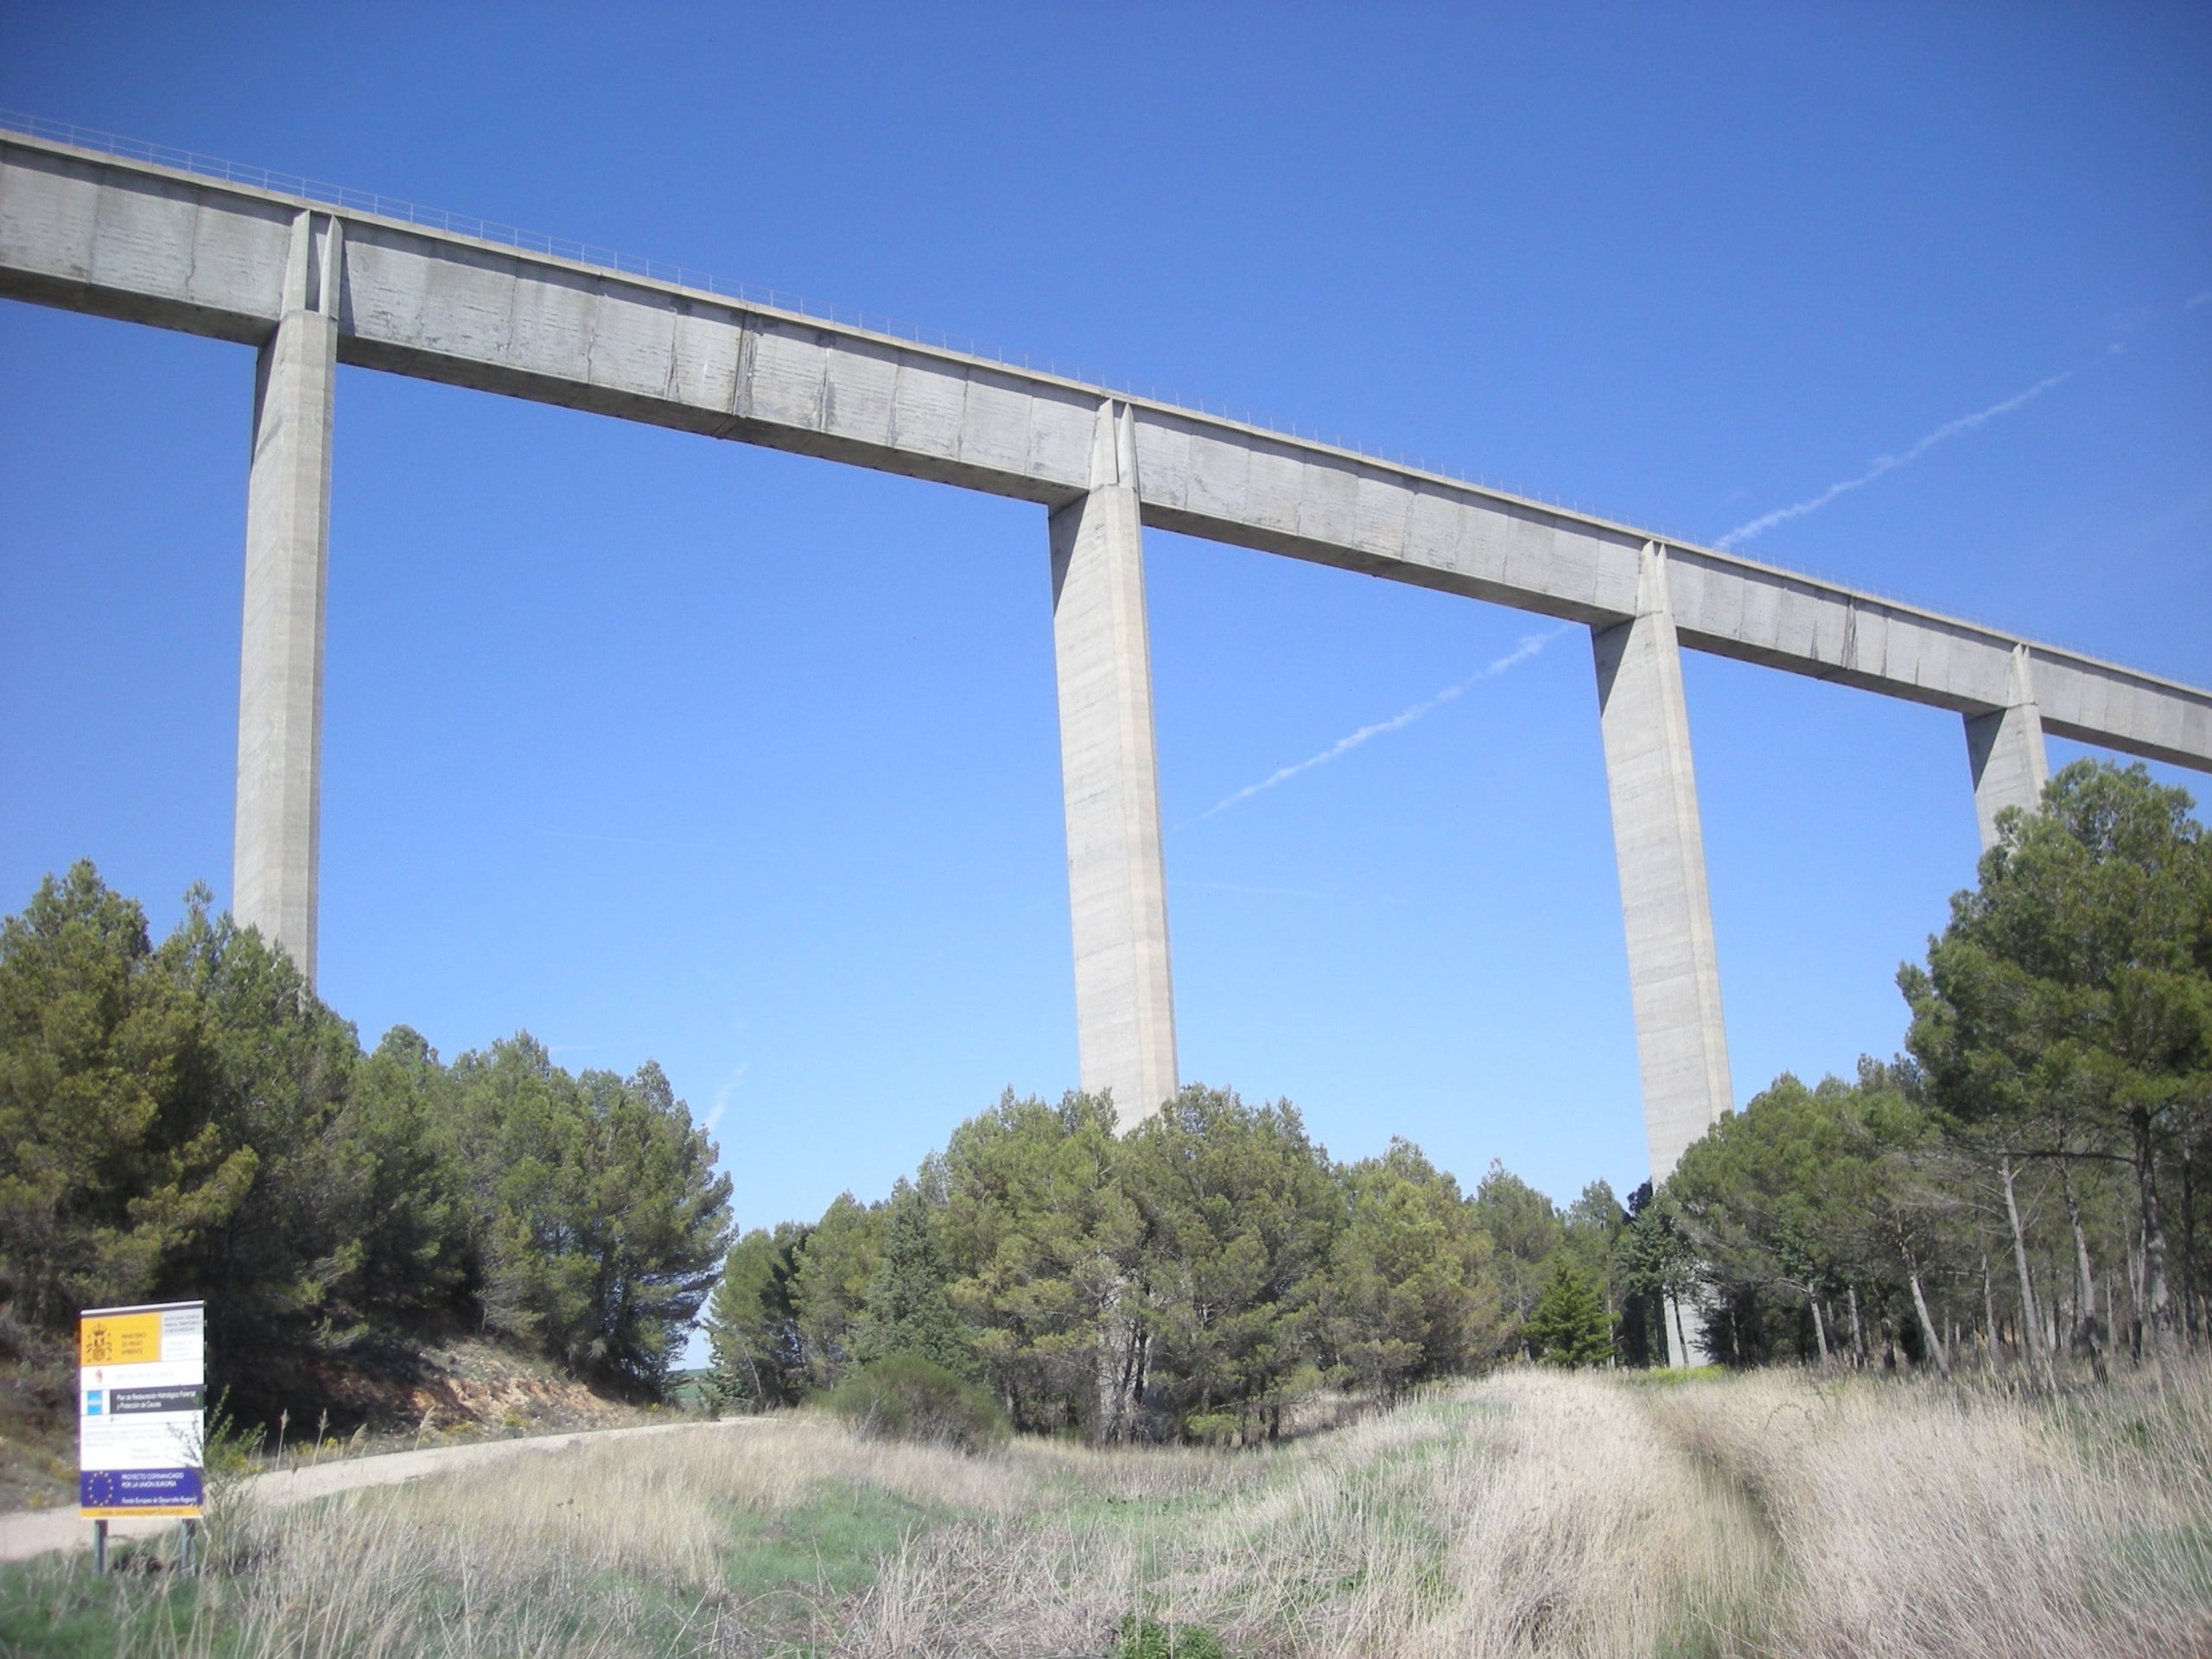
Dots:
pixel 661 1510
pixel 1918 1518
pixel 1527 1515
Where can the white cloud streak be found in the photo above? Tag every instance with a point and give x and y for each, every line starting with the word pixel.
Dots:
pixel 1529 645
pixel 730 1087
pixel 1882 464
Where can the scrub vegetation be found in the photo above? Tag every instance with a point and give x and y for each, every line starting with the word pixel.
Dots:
pixel 1534 1512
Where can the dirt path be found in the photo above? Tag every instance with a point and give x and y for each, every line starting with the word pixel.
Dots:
pixel 26 1533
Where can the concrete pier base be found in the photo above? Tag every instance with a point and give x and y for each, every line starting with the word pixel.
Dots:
pixel 278 828
pixel 1685 1318
pixel 2006 749
pixel 1682 1043
pixel 1117 883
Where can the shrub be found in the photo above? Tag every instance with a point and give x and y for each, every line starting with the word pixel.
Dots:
pixel 1149 1638
pixel 906 1397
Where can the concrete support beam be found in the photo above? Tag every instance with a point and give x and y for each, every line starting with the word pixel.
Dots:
pixel 1673 969
pixel 278 832
pixel 1682 1044
pixel 2006 751
pixel 1117 881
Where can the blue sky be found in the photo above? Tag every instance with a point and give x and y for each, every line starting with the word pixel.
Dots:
pixel 662 747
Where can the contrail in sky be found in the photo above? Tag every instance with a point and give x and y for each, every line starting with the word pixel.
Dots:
pixel 1529 645
pixel 1882 464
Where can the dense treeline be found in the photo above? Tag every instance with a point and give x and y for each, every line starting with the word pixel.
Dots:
pixel 2027 1181
pixel 1193 1278
pixel 2024 1184
pixel 187 1120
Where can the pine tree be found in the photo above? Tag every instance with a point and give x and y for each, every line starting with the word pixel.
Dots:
pixel 1410 1295
pixel 751 1332
pixel 1037 1237
pixel 908 1310
pixel 1567 1326
pixel 1241 1212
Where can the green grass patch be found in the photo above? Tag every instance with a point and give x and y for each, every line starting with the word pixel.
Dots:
pixel 1150 1638
pixel 835 1542
pixel 1672 1376
pixel 2179 1559
pixel 54 1607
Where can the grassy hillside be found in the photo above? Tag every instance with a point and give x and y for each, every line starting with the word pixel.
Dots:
pixel 1532 1513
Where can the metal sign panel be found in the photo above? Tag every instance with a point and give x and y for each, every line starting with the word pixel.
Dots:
pixel 141 1394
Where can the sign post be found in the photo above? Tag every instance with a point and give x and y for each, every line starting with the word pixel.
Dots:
pixel 141 1391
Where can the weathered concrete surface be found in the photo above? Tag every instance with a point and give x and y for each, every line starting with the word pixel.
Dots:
pixel 1117 881
pixel 1673 969
pixel 1681 1044
pixel 2006 752
pixel 130 239
pixel 278 828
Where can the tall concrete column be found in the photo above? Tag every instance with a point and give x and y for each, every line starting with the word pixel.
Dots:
pixel 1117 881
pixel 2006 752
pixel 1682 1044
pixel 277 836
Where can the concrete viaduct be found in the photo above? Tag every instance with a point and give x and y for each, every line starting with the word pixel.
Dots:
pixel 309 283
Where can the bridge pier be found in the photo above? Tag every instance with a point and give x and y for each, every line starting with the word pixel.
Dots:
pixel 1117 883
pixel 1682 1044
pixel 278 826
pixel 2006 749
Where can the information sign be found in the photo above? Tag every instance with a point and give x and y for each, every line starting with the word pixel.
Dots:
pixel 141 1390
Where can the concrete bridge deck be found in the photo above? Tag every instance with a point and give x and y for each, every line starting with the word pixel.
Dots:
pixel 148 243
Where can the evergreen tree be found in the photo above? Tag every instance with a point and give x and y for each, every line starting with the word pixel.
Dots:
pixel 1775 1198
pixel 108 1164
pixel 908 1310
pixel 1240 1214
pixel 1651 1262
pixel 1038 1236
pixel 833 1269
pixel 601 1219
pixel 2066 1011
pixel 265 1068
pixel 188 1120
pixel 402 1165
pixel 1525 1230
pixel 758 1362
pixel 1410 1297
pixel 1567 1326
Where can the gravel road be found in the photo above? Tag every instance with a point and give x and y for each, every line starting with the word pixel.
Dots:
pixel 26 1533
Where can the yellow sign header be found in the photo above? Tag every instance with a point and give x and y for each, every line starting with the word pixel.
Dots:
pixel 119 1339
pixel 189 1511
